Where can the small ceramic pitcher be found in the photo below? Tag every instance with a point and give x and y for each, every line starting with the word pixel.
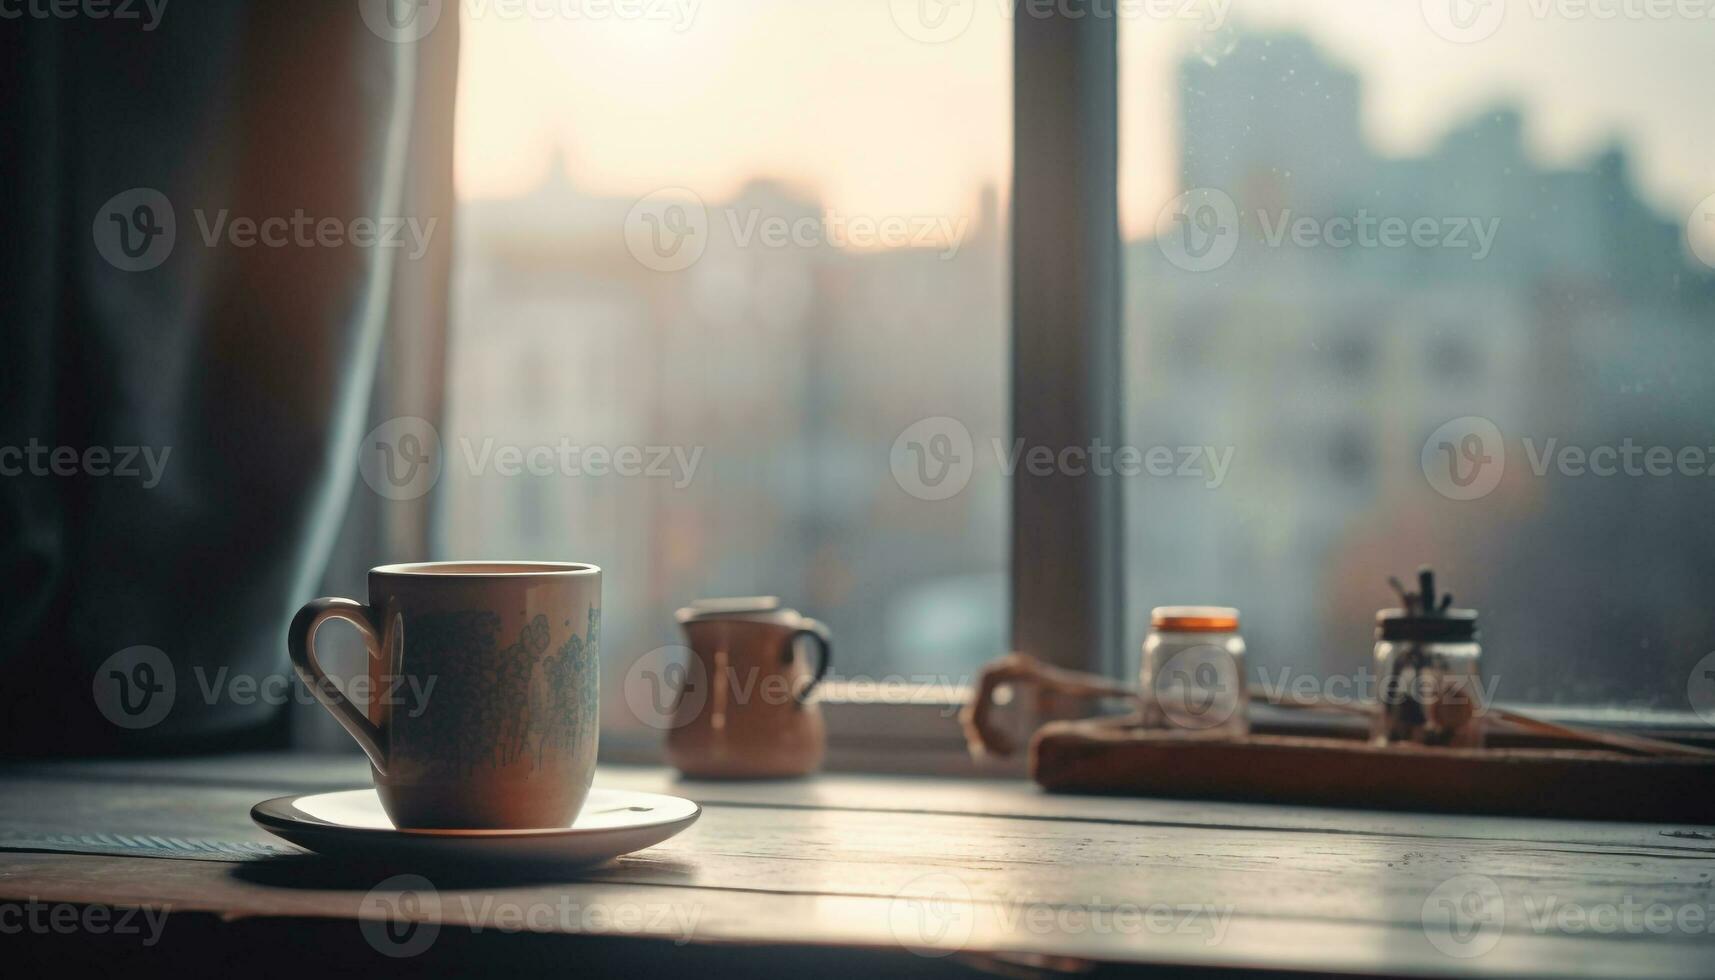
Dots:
pixel 744 712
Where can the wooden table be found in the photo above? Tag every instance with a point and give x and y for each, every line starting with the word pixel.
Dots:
pixel 854 875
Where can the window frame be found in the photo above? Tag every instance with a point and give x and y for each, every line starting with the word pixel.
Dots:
pixel 1067 568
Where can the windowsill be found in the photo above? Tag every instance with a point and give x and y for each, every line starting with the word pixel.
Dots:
pixel 908 736
pixel 920 734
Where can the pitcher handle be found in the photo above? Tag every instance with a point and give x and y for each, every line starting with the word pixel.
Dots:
pixel 818 632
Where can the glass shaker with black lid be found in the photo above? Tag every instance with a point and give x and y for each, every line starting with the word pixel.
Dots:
pixel 1428 662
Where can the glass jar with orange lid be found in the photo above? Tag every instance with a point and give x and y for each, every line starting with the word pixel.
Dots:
pixel 1193 676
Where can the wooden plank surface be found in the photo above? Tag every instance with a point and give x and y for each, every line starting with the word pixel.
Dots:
pixel 278 774
pixel 939 866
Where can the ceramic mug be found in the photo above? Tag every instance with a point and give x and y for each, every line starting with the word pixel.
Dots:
pixel 483 680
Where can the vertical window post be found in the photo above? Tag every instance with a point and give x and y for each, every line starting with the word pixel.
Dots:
pixel 1066 344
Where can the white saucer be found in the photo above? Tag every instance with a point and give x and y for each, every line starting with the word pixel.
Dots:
pixel 352 824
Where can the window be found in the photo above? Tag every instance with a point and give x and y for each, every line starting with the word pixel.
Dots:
pixel 1400 286
pixel 1482 388
pixel 711 269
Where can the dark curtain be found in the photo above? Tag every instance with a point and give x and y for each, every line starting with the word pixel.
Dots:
pixel 235 375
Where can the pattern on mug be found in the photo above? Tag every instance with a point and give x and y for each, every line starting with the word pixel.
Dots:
pixel 494 706
pixel 568 693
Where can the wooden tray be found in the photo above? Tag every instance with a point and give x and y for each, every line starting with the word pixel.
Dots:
pixel 1108 755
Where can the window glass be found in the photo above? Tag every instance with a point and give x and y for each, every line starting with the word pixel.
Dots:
pixel 1428 282
pixel 730 317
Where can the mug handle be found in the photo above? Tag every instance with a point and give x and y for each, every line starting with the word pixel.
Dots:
pixel 301 644
pixel 815 630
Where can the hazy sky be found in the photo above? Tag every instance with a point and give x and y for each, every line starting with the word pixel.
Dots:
pixel 835 96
